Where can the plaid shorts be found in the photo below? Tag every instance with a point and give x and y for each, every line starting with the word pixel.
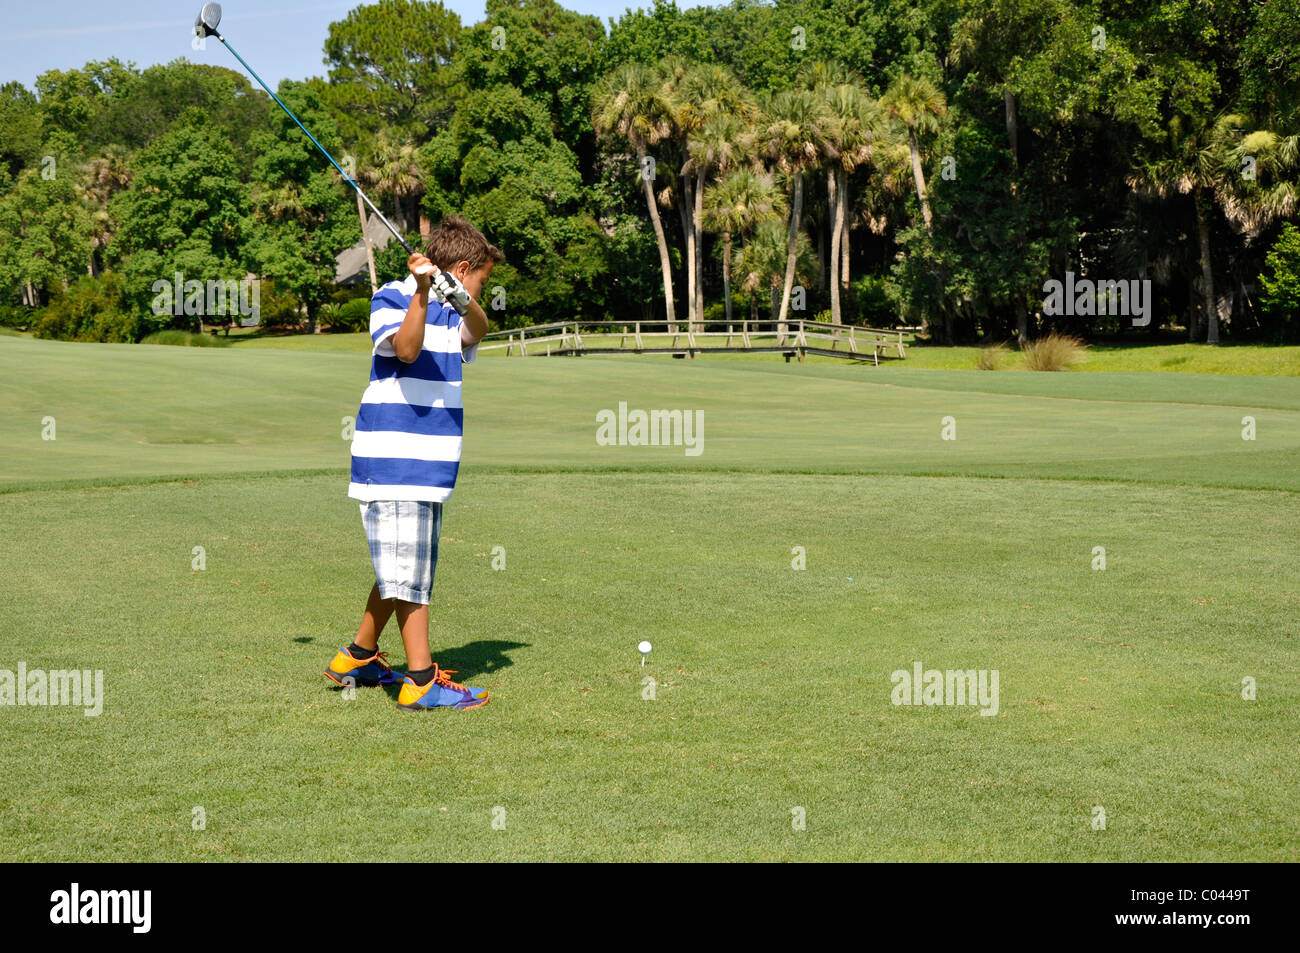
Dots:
pixel 403 537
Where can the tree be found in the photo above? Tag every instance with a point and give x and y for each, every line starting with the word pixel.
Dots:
pixel 918 104
pixel 682 118
pixel 1197 160
pixel 858 123
pixel 300 221
pixel 393 173
pixel 1281 279
pixel 718 140
pixel 550 54
pixel 391 68
pixel 43 233
pixel 737 205
pixel 20 118
pixel 71 99
pixel 500 164
pixel 183 212
pixel 138 108
pixel 796 130
pixel 102 178
pixel 90 310
pixel 646 36
pixel 762 262
pixel 989 39
pixel 628 103
pixel 1041 83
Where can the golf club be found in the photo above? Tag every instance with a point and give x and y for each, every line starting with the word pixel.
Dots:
pixel 205 25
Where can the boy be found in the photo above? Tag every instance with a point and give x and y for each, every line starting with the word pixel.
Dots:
pixel 406 452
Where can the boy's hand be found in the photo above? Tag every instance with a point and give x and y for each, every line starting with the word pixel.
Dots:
pixel 452 291
pixel 423 269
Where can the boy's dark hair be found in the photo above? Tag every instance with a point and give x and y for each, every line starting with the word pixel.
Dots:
pixel 457 240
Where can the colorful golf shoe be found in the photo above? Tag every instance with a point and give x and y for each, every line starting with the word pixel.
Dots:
pixel 441 692
pixel 366 671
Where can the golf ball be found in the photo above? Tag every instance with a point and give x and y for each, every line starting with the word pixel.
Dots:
pixel 644 648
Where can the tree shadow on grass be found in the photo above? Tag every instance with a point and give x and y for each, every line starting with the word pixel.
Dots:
pixel 477 658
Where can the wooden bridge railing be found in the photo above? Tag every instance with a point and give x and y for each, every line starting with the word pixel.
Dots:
pixel 565 337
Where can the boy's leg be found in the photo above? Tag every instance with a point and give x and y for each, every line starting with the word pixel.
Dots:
pixel 414 620
pixel 362 660
pixel 404 548
pixel 427 685
pixel 378 612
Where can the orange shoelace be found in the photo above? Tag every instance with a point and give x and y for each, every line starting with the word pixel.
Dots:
pixel 440 676
pixel 380 657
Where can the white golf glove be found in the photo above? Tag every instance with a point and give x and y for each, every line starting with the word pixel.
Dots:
pixel 451 291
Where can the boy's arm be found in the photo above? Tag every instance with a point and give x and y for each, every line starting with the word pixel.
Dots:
pixel 409 339
pixel 473 325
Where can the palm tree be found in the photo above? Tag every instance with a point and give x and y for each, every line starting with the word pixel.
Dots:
pixel 695 93
pixel 394 172
pixel 102 178
pixel 919 105
pixel 797 129
pixel 719 147
pixel 1202 159
pixel 736 206
pixel 1274 195
pixel 822 76
pixel 762 262
pixel 858 125
pixel 627 103
pixel 889 179
pixel 822 73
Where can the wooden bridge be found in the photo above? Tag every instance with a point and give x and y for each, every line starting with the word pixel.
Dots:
pixel 793 339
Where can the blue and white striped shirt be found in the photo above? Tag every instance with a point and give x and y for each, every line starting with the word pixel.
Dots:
pixel 406 445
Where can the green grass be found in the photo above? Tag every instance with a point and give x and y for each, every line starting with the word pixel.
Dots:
pixel 1118 688
pixel 340 343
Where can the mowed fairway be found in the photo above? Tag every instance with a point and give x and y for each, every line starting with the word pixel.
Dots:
pixel 1119 689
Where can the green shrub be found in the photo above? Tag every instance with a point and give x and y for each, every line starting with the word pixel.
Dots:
pixel 716 312
pixel 514 319
pixel 186 339
pixel 278 308
pixel 350 316
pixel 92 309
pixel 874 299
pixel 1282 286
pixel 16 316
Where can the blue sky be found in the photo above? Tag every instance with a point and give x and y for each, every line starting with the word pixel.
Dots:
pixel 279 38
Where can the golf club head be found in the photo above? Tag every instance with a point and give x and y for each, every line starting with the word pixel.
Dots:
pixel 205 24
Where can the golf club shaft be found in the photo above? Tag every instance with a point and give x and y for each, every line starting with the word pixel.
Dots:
pixel 346 178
